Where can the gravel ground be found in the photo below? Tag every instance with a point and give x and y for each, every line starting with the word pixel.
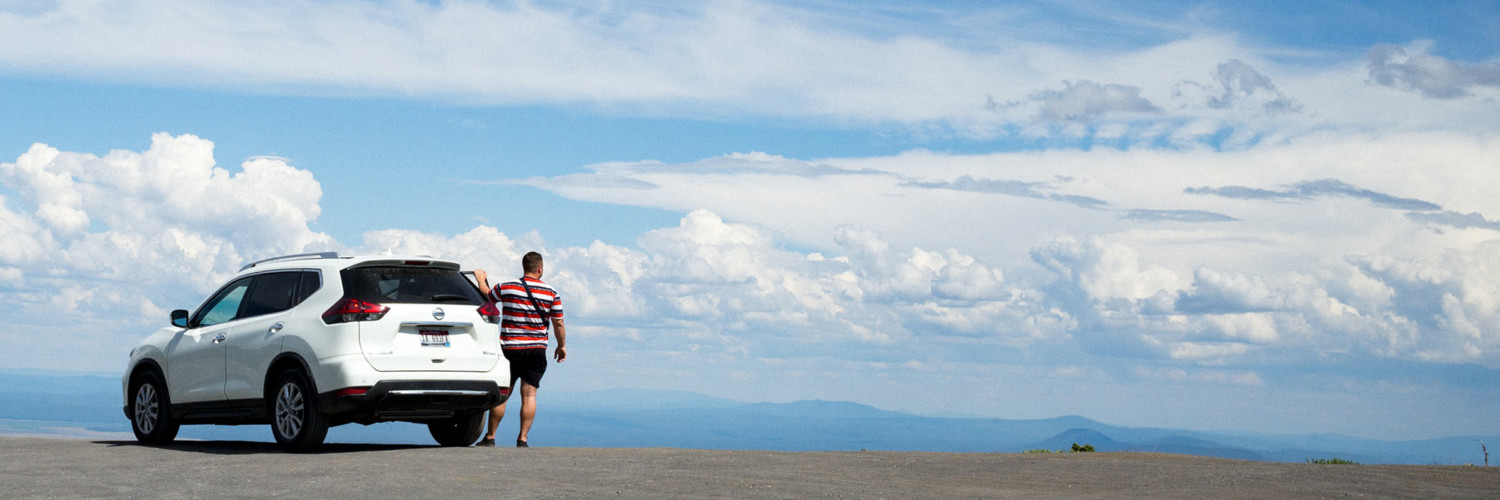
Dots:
pixel 67 468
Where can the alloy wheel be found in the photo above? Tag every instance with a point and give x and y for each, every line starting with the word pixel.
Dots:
pixel 146 408
pixel 289 411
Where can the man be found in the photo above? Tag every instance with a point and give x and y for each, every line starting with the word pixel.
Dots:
pixel 527 306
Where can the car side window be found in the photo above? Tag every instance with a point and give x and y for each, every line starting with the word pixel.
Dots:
pixel 225 305
pixel 311 282
pixel 272 293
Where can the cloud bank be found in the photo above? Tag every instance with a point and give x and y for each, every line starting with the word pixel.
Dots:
pixel 115 240
pixel 748 58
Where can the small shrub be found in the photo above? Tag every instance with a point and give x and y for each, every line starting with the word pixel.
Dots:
pixel 1039 450
pixel 1331 461
pixel 1088 448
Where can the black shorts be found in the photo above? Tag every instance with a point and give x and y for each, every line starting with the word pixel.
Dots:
pixel 527 365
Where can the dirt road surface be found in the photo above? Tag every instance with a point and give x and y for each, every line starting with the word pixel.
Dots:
pixel 64 468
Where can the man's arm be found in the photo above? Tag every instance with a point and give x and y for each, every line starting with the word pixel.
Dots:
pixel 562 340
pixel 483 280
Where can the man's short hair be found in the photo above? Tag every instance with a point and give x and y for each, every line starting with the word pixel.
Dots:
pixel 531 262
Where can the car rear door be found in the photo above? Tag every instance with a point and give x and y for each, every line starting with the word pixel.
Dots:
pixel 256 338
pixel 432 322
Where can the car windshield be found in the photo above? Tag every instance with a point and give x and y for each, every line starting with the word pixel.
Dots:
pixel 394 284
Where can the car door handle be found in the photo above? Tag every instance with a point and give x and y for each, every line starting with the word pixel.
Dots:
pixel 275 328
pixel 219 339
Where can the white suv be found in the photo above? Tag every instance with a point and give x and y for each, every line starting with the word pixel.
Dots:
pixel 309 341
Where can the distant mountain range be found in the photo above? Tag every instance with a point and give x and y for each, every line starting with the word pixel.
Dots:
pixel 89 406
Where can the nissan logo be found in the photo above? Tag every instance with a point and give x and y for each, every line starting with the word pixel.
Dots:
pixel 437 313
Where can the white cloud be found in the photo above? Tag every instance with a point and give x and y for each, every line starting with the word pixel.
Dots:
pixel 1104 271
pixel 108 241
pixel 737 58
pixel 1085 101
pixel 1305 246
pixel 1413 68
pixel 1240 85
pixel 1203 306
pixel 166 225
pixel 746 56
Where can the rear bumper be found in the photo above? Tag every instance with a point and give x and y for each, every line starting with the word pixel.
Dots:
pixel 414 400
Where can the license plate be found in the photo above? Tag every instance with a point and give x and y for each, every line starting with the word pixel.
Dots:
pixel 434 338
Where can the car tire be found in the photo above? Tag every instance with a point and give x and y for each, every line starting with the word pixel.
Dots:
pixel 295 419
pixel 461 430
pixel 151 410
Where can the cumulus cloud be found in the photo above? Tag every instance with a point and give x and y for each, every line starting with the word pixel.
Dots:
pixel 1225 294
pixel 1378 306
pixel 1413 68
pixel 105 217
pixel 164 226
pixel 734 276
pixel 1456 295
pixel 716 286
pixel 1245 256
pixel 112 242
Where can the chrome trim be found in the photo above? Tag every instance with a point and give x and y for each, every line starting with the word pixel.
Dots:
pixel 436 392
pixel 437 324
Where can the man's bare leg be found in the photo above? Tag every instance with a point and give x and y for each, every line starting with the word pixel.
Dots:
pixel 528 409
pixel 496 414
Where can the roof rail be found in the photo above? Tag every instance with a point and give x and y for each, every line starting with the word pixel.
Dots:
pixel 317 255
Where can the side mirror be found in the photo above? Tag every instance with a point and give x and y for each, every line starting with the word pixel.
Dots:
pixel 180 318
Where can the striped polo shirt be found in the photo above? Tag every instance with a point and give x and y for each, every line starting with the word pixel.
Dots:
pixel 521 325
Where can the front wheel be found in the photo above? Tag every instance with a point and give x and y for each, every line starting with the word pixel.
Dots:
pixel 295 419
pixel 461 430
pixel 151 410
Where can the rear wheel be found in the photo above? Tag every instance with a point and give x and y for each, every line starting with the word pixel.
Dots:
pixel 151 410
pixel 461 430
pixel 295 419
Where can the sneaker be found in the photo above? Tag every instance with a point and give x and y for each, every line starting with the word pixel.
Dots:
pixel 486 442
pixel 520 444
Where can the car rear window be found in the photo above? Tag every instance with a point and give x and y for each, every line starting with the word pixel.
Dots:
pixel 407 285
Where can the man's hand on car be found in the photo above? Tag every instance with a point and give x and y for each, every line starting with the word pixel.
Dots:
pixel 482 278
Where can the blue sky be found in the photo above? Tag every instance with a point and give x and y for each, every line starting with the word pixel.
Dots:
pixel 1273 217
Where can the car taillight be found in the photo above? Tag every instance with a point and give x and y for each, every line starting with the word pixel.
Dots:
pixel 490 313
pixel 352 391
pixel 348 310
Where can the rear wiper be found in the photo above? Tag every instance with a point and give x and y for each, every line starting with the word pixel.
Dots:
pixel 448 297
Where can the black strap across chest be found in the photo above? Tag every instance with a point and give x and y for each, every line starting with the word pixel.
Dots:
pixel 540 311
